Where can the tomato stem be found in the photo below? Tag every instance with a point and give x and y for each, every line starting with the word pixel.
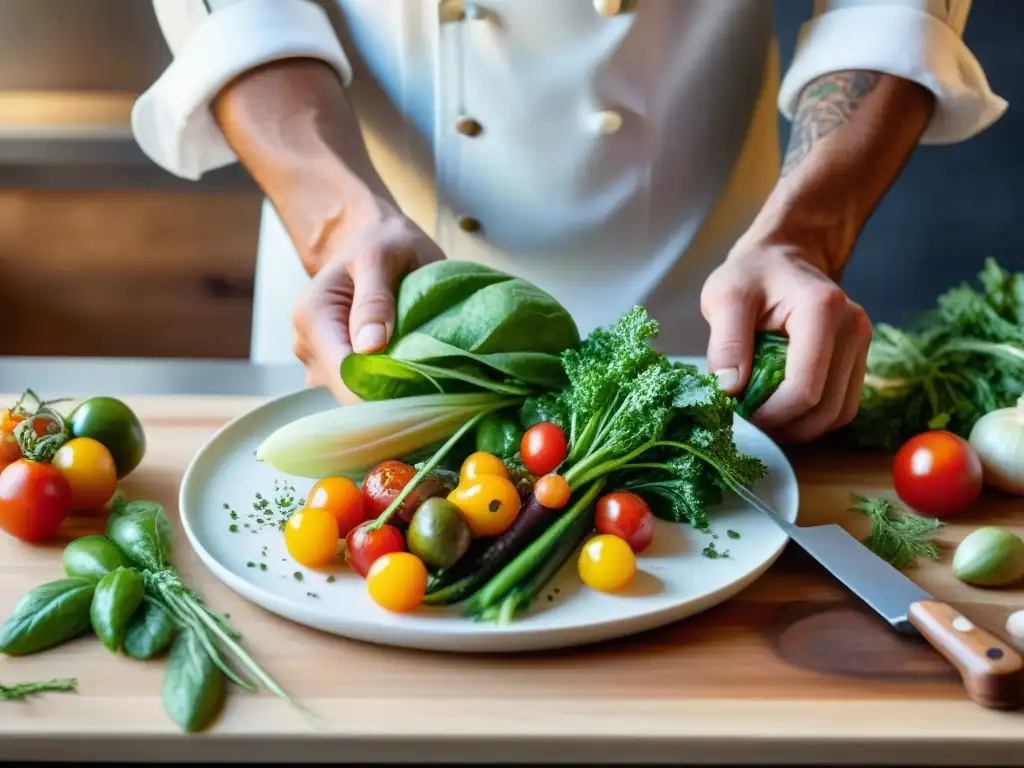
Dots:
pixel 425 470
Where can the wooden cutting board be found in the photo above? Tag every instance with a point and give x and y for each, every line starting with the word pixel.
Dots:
pixel 791 670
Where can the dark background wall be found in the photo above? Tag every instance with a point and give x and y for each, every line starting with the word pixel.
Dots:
pixel 954 205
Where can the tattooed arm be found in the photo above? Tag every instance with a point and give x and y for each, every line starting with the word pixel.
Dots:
pixel 852 133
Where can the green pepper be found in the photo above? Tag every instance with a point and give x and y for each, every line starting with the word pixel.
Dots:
pixel 500 435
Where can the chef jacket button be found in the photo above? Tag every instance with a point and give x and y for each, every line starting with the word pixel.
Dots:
pixel 607 122
pixel 608 7
pixel 469 224
pixel 451 10
pixel 467 126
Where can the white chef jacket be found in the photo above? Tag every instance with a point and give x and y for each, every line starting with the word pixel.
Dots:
pixel 616 148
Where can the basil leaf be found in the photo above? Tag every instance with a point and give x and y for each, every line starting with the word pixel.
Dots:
pixel 143 533
pixel 117 597
pixel 49 615
pixel 193 689
pixel 92 557
pixel 149 630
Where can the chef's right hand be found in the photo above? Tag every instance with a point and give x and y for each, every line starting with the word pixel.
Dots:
pixel 349 305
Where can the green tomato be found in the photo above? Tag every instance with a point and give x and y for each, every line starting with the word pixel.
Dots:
pixel 112 423
pixel 437 534
pixel 499 435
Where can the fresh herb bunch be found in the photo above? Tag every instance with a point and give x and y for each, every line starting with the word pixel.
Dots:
pixel 964 359
pixel 124 586
pixel 897 536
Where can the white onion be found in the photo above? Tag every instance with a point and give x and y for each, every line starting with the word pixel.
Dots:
pixel 998 437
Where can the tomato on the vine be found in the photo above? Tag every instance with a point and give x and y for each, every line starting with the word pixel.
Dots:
pixel 342 498
pixel 937 473
pixel 364 545
pixel 627 516
pixel 311 536
pixel 544 448
pixel 397 582
pixel 35 498
pixel 89 468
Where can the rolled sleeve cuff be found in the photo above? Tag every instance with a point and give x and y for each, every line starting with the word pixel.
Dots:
pixel 172 121
pixel 903 42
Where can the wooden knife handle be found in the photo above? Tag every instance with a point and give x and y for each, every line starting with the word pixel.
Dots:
pixel 991 669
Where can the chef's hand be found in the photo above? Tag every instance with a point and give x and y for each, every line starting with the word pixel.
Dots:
pixel 350 302
pixel 782 288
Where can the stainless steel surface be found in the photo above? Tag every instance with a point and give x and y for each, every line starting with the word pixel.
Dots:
pixel 868 576
pixel 83 377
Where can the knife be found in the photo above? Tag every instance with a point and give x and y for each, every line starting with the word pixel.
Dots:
pixel 990 669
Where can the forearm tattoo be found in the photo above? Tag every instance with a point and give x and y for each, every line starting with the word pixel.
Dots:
pixel 825 105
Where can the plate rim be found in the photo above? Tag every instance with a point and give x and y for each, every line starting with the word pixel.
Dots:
pixel 543 638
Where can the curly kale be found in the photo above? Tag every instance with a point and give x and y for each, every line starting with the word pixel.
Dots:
pixel 660 428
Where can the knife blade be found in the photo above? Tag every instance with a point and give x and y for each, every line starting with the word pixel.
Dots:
pixel 991 670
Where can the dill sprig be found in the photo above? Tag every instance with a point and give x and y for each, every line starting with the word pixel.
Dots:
pixel 22 691
pixel 897 536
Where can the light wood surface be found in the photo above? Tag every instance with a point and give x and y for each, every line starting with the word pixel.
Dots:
pixel 791 670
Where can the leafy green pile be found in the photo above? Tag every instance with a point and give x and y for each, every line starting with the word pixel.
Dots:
pixel 125 587
pixel 965 358
pixel 461 327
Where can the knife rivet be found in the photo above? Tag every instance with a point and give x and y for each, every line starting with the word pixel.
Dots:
pixel 962 624
pixel 994 653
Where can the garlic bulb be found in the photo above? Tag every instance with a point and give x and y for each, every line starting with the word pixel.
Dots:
pixel 998 437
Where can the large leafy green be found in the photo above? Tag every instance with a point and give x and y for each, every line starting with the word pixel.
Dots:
pixel 462 326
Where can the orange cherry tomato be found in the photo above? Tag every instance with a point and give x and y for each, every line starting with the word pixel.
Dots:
pixel 552 491
pixel 482 463
pixel 311 536
pixel 342 498
pixel 488 504
pixel 10 451
pixel 397 582
pixel 89 468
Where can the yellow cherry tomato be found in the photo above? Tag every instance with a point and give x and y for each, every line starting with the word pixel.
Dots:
pixel 488 504
pixel 607 563
pixel 311 536
pixel 89 468
pixel 482 463
pixel 397 581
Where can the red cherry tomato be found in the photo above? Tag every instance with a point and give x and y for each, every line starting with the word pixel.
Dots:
pixel 627 516
pixel 543 448
pixel 388 479
pixel 35 499
pixel 937 473
pixel 363 546
pixel 342 498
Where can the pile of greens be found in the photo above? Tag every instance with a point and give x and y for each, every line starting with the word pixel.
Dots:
pixel 964 359
pixel 125 588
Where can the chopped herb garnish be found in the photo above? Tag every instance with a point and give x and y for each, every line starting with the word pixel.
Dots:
pixel 263 566
pixel 711 552
pixel 233 528
pixel 732 534
pixel 297 575
pixel 331 579
pixel 250 564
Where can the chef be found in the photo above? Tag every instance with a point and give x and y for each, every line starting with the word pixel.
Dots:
pixel 613 152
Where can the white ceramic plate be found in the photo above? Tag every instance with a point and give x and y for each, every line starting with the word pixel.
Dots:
pixel 674 579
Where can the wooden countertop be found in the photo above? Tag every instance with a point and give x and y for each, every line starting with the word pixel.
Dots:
pixel 790 671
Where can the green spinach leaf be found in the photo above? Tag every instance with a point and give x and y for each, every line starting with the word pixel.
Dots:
pixel 49 615
pixel 193 689
pixel 149 630
pixel 144 534
pixel 118 595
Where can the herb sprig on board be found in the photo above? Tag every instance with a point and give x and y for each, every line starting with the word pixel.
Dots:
pixel 897 536
pixel 22 691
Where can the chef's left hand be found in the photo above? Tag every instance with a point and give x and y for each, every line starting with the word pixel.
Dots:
pixel 784 288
